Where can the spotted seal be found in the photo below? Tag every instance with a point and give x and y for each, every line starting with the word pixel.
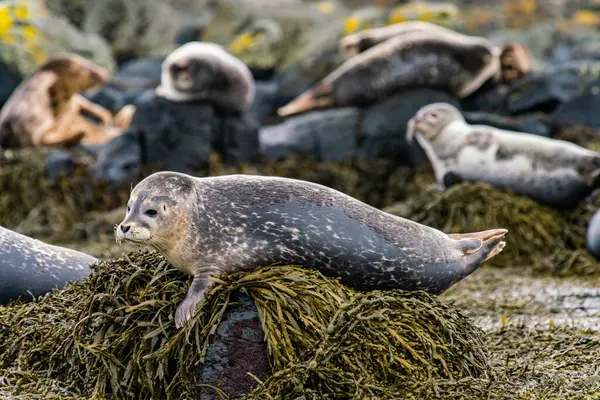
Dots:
pixel 47 109
pixel 30 265
pixel 432 58
pixel 205 226
pixel 553 172
pixel 206 71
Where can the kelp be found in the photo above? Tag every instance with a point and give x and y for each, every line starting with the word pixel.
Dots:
pixel 112 335
pixel 535 231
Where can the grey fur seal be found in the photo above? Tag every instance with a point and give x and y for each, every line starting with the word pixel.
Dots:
pixel 30 265
pixel 205 226
pixel 553 172
pixel 592 237
pixel 515 59
pixel 430 58
pixel 206 71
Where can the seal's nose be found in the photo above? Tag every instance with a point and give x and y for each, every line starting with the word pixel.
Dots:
pixel 125 228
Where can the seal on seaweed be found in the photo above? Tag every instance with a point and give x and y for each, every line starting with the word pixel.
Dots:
pixel 30 265
pixel 553 172
pixel 430 58
pixel 206 71
pixel 47 109
pixel 205 226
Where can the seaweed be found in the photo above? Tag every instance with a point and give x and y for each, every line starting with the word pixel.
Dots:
pixel 535 231
pixel 112 335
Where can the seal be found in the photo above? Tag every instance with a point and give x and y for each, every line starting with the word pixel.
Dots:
pixel 205 226
pixel 206 71
pixel 515 59
pixel 436 59
pixel 553 172
pixel 47 109
pixel 592 237
pixel 30 265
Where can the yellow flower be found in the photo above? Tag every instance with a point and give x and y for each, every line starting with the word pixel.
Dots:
pixel 21 12
pixel 351 25
pixel 30 32
pixel 242 43
pixel 6 21
pixel 585 17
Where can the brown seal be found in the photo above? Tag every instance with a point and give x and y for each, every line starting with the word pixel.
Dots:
pixel 206 226
pixel 516 61
pixel 553 172
pixel 47 109
pixel 206 71
pixel 430 58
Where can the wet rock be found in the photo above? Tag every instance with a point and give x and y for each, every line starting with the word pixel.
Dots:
pixel 59 163
pixel 264 105
pixel 144 71
pixel 582 109
pixel 9 80
pixel 490 97
pixel 328 135
pixel 236 350
pixel 30 34
pixel 593 235
pixel 383 128
pixel 178 137
pixel 527 124
pixel 545 90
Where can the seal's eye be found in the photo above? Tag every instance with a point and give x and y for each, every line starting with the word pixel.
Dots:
pixel 151 213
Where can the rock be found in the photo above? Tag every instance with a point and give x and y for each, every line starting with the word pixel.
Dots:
pixel 236 350
pixel 490 97
pixel 178 137
pixel 328 135
pixel 59 163
pixel 9 80
pixel 583 109
pixel 264 105
pixel 545 90
pixel 527 124
pixel 29 34
pixel 383 129
pixel 143 71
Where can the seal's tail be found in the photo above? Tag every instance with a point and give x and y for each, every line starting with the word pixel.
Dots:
pixel 479 247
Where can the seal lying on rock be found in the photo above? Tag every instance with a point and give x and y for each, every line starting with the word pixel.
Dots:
pixel 553 172
pixel 205 226
pixel 515 59
pixel 431 58
pixel 47 109
pixel 29 265
pixel 205 71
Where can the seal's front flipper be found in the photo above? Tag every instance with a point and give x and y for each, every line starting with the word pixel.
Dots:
pixel 195 295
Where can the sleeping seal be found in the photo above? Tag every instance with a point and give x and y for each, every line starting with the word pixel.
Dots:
pixel 431 58
pixel 553 172
pixel 205 226
pixel 206 71
pixel 27 264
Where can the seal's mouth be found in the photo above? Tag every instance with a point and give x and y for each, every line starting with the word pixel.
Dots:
pixel 132 237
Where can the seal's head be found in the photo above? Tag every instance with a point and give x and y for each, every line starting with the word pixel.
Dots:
pixel 516 62
pixel 431 120
pixel 76 71
pixel 157 211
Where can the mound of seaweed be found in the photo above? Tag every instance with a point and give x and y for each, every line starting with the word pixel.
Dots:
pixel 113 335
pixel 538 236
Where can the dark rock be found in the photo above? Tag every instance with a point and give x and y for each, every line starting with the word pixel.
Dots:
pixel 144 71
pixel 491 97
pixel 545 90
pixel 188 33
pixel 583 109
pixel 528 124
pixel 9 81
pixel 59 163
pixel 264 106
pixel 328 135
pixel 593 235
pixel 237 349
pixel 178 137
pixel 383 132
pixel 108 97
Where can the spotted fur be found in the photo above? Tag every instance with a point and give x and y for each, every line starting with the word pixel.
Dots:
pixel 205 226
pixel 553 172
pixel 28 264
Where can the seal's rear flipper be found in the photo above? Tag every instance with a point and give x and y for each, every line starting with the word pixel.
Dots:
pixel 480 246
pixel 319 97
